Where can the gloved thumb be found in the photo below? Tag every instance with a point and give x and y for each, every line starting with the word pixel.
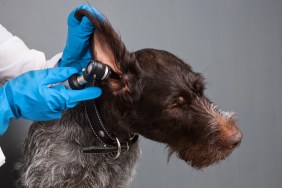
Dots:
pixel 55 75
pixel 82 95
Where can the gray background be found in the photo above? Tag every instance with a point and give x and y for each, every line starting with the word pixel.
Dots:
pixel 237 44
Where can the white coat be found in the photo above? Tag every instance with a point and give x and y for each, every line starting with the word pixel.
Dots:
pixel 16 58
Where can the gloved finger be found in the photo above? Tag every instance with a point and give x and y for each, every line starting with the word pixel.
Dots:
pixel 86 24
pixel 72 21
pixel 74 63
pixel 56 75
pixel 50 115
pixel 82 95
pixel 71 105
pixel 93 11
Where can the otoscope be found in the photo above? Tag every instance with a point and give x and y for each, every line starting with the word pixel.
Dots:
pixel 95 70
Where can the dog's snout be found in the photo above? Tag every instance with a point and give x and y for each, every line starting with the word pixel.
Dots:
pixel 234 139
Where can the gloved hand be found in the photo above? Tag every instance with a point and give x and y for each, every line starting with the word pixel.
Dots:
pixel 77 52
pixel 29 96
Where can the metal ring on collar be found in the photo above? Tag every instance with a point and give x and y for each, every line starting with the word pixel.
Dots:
pixel 118 149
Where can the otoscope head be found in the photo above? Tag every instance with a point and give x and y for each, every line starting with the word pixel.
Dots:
pixel 96 70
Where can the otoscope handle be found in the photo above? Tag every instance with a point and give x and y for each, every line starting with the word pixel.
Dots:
pixel 95 70
pixel 73 82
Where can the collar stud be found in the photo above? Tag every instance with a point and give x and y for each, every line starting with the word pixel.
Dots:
pixel 101 133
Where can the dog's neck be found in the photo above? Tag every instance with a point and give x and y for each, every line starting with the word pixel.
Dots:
pixel 106 103
pixel 110 115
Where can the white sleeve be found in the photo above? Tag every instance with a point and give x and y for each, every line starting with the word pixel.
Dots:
pixel 2 158
pixel 16 58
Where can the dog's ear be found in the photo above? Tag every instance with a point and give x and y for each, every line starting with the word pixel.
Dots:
pixel 107 44
pixel 108 48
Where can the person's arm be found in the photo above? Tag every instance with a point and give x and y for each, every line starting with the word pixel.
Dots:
pixel 30 96
pixel 16 58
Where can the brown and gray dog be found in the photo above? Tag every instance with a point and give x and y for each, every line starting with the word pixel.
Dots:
pixel 152 93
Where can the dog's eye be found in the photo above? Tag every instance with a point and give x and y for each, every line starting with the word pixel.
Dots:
pixel 180 100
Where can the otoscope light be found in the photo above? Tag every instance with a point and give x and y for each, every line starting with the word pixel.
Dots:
pixel 94 70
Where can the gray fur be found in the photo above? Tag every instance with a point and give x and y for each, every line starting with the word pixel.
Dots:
pixel 52 157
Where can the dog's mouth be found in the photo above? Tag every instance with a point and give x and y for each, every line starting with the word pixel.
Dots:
pixel 209 144
pixel 202 154
pixel 198 158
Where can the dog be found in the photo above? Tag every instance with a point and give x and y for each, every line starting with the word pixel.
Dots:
pixel 151 93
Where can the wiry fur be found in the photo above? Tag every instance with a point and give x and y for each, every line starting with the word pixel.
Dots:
pixel 155 94
pixel 53 157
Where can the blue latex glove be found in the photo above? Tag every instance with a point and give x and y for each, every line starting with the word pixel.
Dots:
pixel 29 96
pixel 77 52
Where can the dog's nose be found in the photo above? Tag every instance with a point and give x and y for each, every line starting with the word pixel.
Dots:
pixel 234 139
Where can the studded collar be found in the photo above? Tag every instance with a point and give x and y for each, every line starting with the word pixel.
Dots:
pixel 111 144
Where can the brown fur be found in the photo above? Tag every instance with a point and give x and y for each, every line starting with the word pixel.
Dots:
pixel 159 96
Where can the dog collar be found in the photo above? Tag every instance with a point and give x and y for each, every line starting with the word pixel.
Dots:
pixel 111 144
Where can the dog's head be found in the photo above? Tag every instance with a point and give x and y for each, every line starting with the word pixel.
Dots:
pixel 157 95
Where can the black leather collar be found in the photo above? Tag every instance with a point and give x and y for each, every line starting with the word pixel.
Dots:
pixel 111 144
